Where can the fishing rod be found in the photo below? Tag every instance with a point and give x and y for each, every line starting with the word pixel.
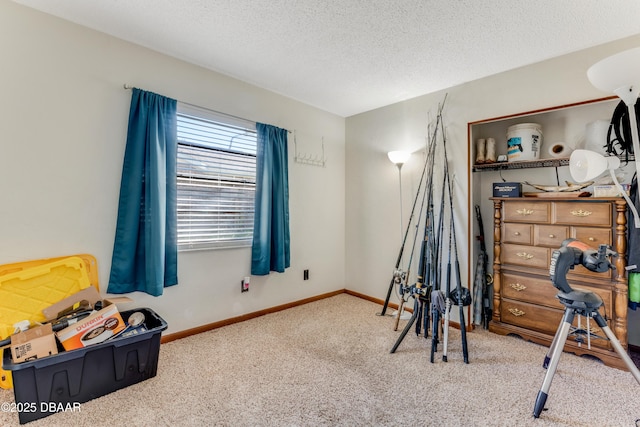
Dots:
pixel 447 292
pixel 417 290
pixel 398 275
pixel 416 294
pixel 460 298
pixel 479 280
pixel 429 273
pixel 431 252
pixel 482 305
pixel 420 291
pixel 437 298
pixel 404 288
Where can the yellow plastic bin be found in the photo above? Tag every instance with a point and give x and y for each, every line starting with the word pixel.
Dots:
pixel 30 286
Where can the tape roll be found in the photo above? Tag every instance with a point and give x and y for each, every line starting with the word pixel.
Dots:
pixel 559 150
pixel 96 335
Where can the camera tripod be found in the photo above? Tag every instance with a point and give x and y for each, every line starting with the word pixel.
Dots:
pixel 577 302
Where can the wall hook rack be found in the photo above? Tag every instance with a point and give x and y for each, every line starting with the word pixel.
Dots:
pixel 308 159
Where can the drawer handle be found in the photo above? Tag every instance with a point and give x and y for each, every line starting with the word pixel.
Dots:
pixel 517 233
pixel 592 239
pixel 524 212
pixel 553 236
pixel 518 287
pixel 516 312
pixel 581 213
pixel 524 255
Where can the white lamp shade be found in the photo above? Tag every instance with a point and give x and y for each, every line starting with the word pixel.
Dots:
pixel 399 157
pixel 619 74
pixel 585 165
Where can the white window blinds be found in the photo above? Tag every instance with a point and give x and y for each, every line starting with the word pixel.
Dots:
pixel 216 179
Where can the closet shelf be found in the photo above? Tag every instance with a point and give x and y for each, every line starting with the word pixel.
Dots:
pixel 541 163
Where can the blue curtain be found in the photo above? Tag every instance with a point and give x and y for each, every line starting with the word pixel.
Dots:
pixel 145 251
pixel 270 251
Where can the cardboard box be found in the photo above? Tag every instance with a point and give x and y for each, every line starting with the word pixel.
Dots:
pixel 90 294
pixel 507 189
pixel 97 327
pixel 32 344
pixel 94 329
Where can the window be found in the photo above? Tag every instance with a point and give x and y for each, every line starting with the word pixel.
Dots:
pixel 216 179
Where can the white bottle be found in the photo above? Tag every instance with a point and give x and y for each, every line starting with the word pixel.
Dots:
pixel 480 151
pixel 490 156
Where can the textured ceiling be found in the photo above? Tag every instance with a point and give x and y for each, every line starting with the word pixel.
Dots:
pixel 351 56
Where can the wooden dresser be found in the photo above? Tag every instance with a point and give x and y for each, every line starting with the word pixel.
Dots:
pixel 526 231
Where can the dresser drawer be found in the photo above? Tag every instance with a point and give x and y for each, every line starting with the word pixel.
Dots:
pixel 547 320
pixel 582 271
pixel 530 316
pixel 535 290
pixel 592 236
pixel 550 235
pixel 517 233
pixel 575 213
pixel 530 212
pixel 539 290
pixel 528 256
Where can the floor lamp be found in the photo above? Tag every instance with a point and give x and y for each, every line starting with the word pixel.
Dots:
pixel 620 74
pixel 399 158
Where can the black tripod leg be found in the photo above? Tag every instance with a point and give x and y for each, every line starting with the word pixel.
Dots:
pixel 406 328
pixel 562 334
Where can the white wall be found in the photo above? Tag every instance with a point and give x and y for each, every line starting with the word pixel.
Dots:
pixel 372 220
pixel 64 113
pixel 64 116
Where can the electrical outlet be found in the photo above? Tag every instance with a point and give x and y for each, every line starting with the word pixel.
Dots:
pixel 245 284
pixel 306 275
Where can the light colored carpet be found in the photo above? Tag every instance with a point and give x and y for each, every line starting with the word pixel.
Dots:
pixel 327 363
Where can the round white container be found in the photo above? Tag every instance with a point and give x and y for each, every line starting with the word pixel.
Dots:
pixel 596 136
pixel 524 142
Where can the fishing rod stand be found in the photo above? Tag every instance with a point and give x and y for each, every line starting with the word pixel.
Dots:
pixel 577 302
pixel 420 312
